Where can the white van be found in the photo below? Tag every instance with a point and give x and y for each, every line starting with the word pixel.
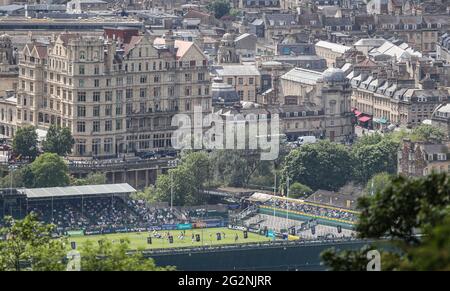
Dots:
pixel 306 139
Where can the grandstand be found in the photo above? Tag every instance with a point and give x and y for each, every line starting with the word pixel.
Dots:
pixel 304 219
pixel 109 209
pixel 100 209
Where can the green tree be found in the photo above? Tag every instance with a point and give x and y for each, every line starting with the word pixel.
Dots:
pixel 21 177
pixel 402 209
pixel 91 179
pixel 189 179
pixel 29 245
pixel 148 194
pixel 235 12
pixel 25 142
pixel 433 253
pixel 236 168
pixel 374 154
pixel 323 165
pixel 105 256
pixel 403 206
pixel 220 8
pixel 377 183
pixel 50 170
pixel 59 140
pixel 426 132
pixel 298 190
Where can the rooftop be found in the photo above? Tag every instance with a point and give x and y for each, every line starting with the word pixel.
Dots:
pixel 302 76
pixel 333 46
pixel 105 189
pixel 237 70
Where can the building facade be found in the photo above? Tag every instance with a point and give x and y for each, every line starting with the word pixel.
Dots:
pixel 394 100
pixel 115 99
pixel 317 104
pixel 416 159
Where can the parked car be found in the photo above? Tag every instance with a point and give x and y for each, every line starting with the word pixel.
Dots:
pixel 301 140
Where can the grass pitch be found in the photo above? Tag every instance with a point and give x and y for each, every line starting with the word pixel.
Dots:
pixel 138 240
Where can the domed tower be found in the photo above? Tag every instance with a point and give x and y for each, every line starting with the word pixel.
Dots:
pixel 336 100
pixel 227 51
pixel 223 94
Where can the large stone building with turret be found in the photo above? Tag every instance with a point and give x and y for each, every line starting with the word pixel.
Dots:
pixel 315 103
pixel 116 97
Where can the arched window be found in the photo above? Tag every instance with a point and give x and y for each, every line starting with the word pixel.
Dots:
pixel 82 55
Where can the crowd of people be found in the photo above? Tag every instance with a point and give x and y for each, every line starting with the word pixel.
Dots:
pixel 102 212
pixel 316 210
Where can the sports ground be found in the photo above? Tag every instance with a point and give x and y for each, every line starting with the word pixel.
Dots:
pixel 138 240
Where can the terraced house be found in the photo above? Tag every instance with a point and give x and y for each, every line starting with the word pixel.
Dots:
pixel 115 96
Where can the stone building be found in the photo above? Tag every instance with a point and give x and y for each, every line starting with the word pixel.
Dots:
pixel 392 99
pixel 317 104
pixel 227 51
pixel 245 79
pixel 416 159
pixel 8 106
pixel 330 51
pixel 115 99
pixel 8 65
pixel 443 48
pixel 441 118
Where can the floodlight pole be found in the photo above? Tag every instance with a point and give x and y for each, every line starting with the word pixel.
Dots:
pixel 171 191
pixel 287 203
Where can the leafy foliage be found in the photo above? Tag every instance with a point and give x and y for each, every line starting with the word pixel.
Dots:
pixel 91 179
pixel 404 205
pixel 22 177
pixel 189 180
pixel 236 168
pixel 29 245
pixel 377 183
pixel 25 142
pixel 426 132
pixel 374 154
pixel 106 256
pixel 398 211
pixel 298 190
pixel 49 170
pixel 220 8
pixel 323 165
pixel 59 140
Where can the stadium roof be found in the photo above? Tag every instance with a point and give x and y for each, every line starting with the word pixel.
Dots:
pixel 88 190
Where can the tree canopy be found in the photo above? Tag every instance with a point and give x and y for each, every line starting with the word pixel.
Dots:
pixel 323 165
pixel 59 140
pixel 25 142
pixel 220 8
pixel 401 210
pixel 105 256
pixel 374 154
pixel 50 170
pixel 189 180
pixel 377 183
pixel 298 190
pixel 29 246
pixel 91 179
pixel 426 132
